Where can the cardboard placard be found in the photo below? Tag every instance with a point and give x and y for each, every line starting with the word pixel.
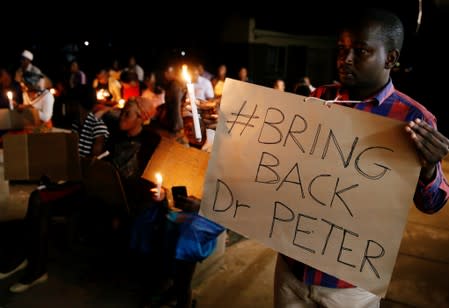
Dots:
pixel 179 166
pixel 18 119
pixel 30 156
pixel 329 186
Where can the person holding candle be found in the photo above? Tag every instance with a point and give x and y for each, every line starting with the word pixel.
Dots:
pixel 130 150
pixel 9 85
pixel 204 89
pixel 188 238
pixel 169 115
pixel 37 97
pixel 132 146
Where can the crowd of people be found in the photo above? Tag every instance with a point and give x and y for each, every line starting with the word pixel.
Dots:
pixel 369 46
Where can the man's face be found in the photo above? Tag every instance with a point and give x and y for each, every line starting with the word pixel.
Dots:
pixel 361 59
pixel 24 62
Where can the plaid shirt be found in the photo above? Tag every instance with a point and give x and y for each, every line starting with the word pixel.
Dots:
pixel 429 197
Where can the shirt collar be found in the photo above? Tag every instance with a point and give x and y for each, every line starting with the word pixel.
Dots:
pixel 386 92
pixel 376 99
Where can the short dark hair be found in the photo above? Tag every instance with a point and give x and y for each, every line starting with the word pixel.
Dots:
pixel 391 27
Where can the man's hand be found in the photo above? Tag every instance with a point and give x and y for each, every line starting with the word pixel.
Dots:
pixel 188 204
pixel 158 197
pixel 432 146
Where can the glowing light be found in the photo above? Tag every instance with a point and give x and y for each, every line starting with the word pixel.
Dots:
pixel 191 94
pixel 158 184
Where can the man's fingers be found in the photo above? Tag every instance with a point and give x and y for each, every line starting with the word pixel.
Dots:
pixel 424 128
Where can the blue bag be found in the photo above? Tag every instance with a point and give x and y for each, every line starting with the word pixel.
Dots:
pixel 197 237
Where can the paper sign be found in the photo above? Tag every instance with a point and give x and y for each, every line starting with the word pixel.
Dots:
pixel 330 187
pixel 179 166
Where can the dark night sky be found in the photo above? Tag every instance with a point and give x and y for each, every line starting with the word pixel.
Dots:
pixel 152 30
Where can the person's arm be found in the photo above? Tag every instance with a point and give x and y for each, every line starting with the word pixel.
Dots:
pixel 46 112
pixel 98 145
pixel 100 134
pixel 432 191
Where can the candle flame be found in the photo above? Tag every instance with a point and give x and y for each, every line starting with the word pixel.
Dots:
pixel 9 95
pixel 158 178
pixel 102 94
pixel 185 74
pixel 121 103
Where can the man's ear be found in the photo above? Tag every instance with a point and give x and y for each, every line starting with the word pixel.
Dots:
pixel 392 58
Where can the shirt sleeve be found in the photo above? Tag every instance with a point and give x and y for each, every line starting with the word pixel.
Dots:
pixel 46 111
pixel 430 198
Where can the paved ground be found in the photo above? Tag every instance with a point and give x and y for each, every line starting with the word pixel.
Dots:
pixel 244 277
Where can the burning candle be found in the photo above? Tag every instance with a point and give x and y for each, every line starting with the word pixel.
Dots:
pixel 11 103
pixel 158 184
pixel 100 95
pixel 121 103
pixel 192 99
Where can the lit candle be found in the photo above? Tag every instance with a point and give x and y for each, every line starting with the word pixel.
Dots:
pixel 158 184
pixel 121 103
pixel 11 103
pixel 192 99
pixel 100 96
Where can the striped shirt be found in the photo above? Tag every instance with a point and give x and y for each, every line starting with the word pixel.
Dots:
pixel 91 129
pixel 428 198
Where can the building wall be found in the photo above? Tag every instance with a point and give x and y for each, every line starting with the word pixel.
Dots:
pixel 269 55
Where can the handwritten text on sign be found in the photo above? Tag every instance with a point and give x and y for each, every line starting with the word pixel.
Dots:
pixel 330 187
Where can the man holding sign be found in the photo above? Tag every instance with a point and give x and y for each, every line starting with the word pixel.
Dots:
pixel 369 45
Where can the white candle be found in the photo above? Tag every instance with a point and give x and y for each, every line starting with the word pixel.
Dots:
pixel 158 184
pixel 11 103
pixel 192 99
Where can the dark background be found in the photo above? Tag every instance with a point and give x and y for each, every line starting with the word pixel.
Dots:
pixel 156 32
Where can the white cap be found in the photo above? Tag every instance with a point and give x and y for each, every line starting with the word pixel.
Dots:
pixel 28 55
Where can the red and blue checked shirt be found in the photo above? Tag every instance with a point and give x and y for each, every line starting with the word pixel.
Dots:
pixel 429 197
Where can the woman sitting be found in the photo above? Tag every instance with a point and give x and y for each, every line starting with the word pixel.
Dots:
pixel 35 96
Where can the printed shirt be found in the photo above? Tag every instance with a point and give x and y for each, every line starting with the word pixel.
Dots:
pixel 91 128
pixel 429 197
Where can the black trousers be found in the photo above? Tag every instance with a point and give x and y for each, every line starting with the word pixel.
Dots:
pixel 61 200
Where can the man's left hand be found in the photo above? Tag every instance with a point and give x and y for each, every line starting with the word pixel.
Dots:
pixel 432 145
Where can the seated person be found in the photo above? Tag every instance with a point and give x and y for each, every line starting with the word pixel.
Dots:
pixel 107 89
pixel 185 232
pixel 37 97
pixel 132 147
pixel 54 198
pixel 131 86
pixel 130 151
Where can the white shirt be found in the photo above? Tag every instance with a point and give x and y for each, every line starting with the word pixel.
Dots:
pixel 203 89
pixel 43 103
